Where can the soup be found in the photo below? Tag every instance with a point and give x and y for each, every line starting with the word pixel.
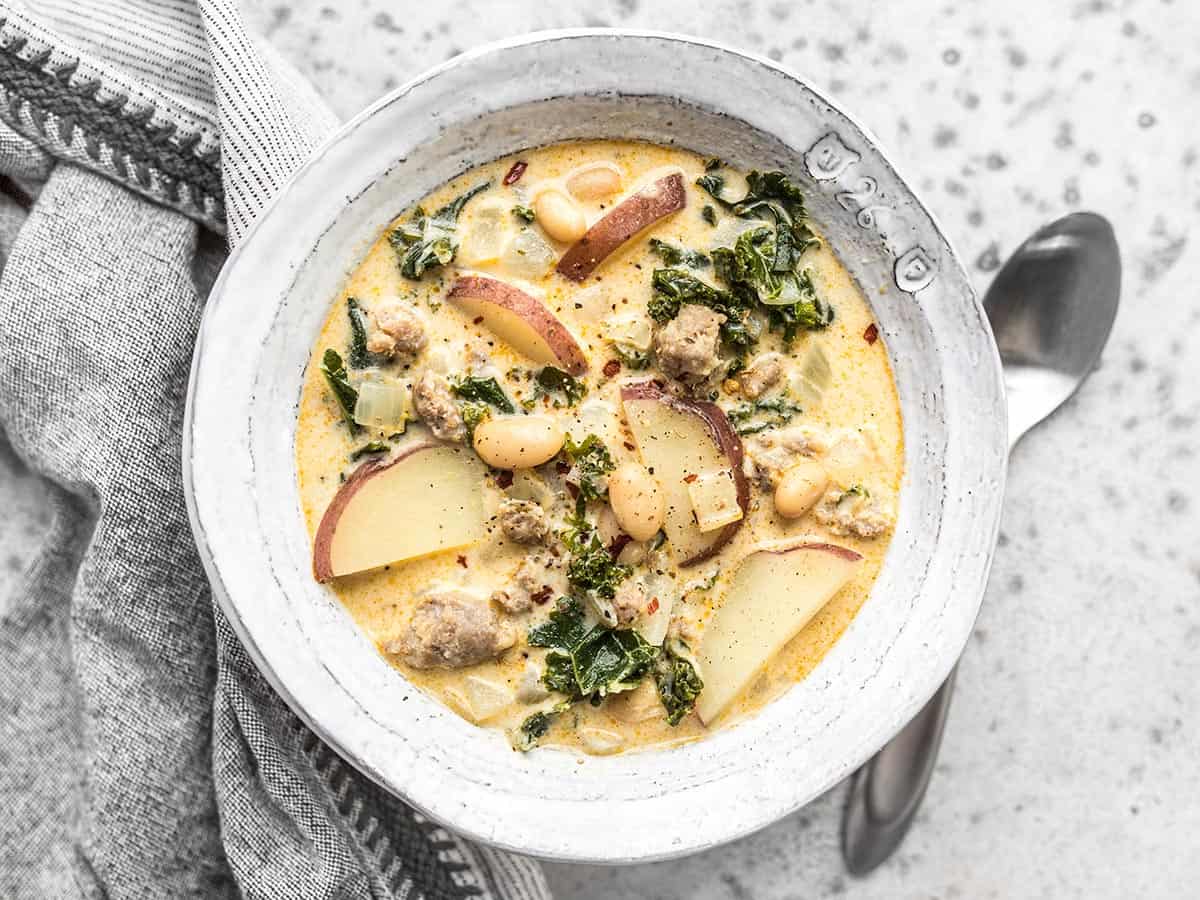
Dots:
pixel 599 445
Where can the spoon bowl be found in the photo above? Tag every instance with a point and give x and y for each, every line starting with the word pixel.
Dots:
pixel 1051 308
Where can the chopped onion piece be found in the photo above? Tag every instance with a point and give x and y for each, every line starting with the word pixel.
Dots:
pixel 528 255
pixel 382 403
pixel 631 330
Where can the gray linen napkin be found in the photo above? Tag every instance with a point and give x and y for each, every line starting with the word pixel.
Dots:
pixel 141 753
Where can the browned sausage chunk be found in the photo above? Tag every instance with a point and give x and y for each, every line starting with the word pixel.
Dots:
pixel 435 405
pixel 688 347
pixel 451 629
pixel 523 521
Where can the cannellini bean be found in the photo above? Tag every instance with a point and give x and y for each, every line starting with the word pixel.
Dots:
pixel 594 182
pixel 800 487
pixel 636 501
pixel 518 442
pixel 559 216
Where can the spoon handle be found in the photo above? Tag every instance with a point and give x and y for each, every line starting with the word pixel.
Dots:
pixel 887 791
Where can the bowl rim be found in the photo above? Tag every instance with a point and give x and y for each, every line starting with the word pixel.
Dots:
pixel 230 609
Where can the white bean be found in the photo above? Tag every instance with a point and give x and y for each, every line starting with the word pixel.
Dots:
pixel 595 181
pixel 559 216
pixel 636 501
pixel 518 442
pixel 800 488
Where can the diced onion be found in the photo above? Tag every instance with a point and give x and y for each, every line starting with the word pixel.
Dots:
pixel 382 403
pixel 528 255
pixel 808 383
pixel 485 234
pixel 630 330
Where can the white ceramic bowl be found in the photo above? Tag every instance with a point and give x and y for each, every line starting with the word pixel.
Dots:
pixel 268 306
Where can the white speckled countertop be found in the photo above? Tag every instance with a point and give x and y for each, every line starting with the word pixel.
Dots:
pixel 1070 767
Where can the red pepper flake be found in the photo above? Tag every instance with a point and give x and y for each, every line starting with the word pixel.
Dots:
pixel 690 478
pixel 504 478
pixel 611 368
pixel 562 467
pixel 572 489
pixel 462 561
pixel 628 446
pixel 652 606
pixel 478 320
pixel 515 173
pixel 542 595
pixel 871 335
pixel 618 544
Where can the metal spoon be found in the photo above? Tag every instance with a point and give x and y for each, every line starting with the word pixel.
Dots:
pixel 1051 309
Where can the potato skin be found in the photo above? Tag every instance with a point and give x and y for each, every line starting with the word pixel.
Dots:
pixel 643 209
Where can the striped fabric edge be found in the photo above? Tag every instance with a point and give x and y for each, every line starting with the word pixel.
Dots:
pixel 92 116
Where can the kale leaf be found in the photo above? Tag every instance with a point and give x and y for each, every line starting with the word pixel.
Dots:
pixel 337 378
pixel 537 726
pixel 591 461
pixel 592 567
pixel 632 357
pixel 360 357
pixel 368 449
pixel 473 413
pixel 589 663
pixel 564 628
pixel 787 295
pixel 551 380
pixel 715 186
pixel 427 242
pixel 524 213
pixel 751 418
pixel 482 390
pixel 678 684
pixel 674 256
pixel 708 214
pixel 764 262
pixel 809 313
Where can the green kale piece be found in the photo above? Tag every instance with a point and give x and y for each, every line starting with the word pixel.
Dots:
pixel 337 378
pixel 678 684
pixel 524 213
pixel 708 214
pixel 534 728
pixel 632 357
pixel 368 449
pixel 564 628
pixel 591 461
pixel 589 663
pixel 714 185
pixel 473 413
pixel 761 415
pixel 809 313
pixel 359 356
pixel 482 390
pixel 674 256
pixel 537 726
pixel 426 242
pixel 788 297
pixel 592 568
pixel 551 380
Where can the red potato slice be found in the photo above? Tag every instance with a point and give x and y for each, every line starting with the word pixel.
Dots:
pixel 636 212
pixel 678 439
pixel 425 500
pixel 775 592
pixel 522 321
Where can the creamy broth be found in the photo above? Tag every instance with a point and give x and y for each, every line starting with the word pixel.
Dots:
pixel 848 424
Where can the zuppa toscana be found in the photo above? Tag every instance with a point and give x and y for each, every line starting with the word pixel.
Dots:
pixel 600 446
